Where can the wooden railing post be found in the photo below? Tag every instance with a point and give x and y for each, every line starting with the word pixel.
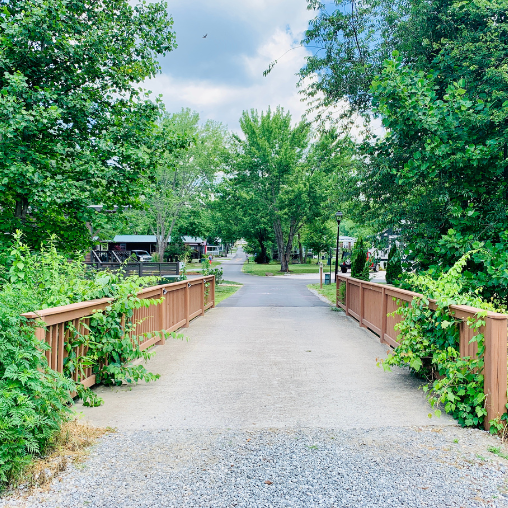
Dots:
pixel 495 370
pixel 203 287
pixel 213 291
pixel 186 304
pixel 384 312
pixel 162 316
pixel 361 305
pixel 347 297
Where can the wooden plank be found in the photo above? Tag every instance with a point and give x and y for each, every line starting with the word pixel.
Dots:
pixel 195 314
pixel 176 326
pixel 89 381
pixel 372 327
pixel 495 370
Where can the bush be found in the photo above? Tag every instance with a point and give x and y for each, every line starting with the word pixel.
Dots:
pixel 261 258
pixel 429 344
pixel 394 266
pixel 218 272
pixel 34 400
pixel 359 266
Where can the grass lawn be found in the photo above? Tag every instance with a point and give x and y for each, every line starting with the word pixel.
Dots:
pixel 327 291
pixel 194 268
pixel 222 291
pixel 274 267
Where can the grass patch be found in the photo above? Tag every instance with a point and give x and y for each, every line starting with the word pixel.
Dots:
pixel 225 290
pixel 274 268
pixel 497 451
pixel 69 446
pixel 328 291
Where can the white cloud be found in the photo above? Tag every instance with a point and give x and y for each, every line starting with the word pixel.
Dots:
pixel 219 98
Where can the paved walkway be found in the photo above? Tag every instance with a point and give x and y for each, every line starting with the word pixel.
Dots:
pixel 276 401
pixel 272 355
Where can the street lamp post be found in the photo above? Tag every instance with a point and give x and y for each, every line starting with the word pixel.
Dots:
pixel 338 216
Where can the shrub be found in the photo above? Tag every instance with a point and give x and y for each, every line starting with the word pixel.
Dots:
pixel 394 266
pixel 34 400
pixel 218 272
pixel 359 266
pixel 262 258
pixel 429 344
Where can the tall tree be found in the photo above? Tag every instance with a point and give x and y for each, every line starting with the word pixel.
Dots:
pixel 74 125
pixel 444 161
pixel 191 157
pixel 271 166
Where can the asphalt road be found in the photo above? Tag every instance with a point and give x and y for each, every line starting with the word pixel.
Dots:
pixel 277 291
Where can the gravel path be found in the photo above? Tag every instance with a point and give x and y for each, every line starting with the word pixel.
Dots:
pixel 395 467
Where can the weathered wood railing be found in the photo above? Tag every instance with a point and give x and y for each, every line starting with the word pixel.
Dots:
pixel 182 302
pixel 371 305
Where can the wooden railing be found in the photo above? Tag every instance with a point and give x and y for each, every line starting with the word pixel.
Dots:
pixel 141 269
pixel 371 305
pixel 182 302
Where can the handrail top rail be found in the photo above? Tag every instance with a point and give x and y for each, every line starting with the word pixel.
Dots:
pixel 66 308
pixel 87 306
pixel 465 308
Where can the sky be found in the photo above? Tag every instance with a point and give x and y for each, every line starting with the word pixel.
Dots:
pixel 221 75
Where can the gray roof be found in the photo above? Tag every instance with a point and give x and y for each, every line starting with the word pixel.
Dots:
pixel 135 239
pixel 151 239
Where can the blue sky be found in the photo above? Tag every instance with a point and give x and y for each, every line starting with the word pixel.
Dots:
pixel 222 75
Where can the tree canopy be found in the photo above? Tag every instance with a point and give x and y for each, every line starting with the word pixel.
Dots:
pixel 76 129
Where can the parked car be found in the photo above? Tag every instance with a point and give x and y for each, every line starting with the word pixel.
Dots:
pixel 346 261
pixel 142 255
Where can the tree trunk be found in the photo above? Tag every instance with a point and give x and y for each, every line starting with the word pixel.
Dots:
pixel 279 237
pixel 264 255
pixel 21 208
pixel 300 249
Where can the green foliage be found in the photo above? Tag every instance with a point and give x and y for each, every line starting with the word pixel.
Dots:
pixel 218 272
pixel 355 39
pixel 394 266
pixel 320 235
pixel 76 130
pixel 359 265
pixel 269 166
pixel 34 400
pixel 429 344
pixel 443 100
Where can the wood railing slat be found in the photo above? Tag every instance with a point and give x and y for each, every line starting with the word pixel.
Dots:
pixel 182 301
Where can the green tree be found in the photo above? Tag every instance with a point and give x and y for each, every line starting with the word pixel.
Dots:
pixel 270 165
pixel 189 156
pixel 394 266
pixel 76 129
pixel 319 235
pixel 359 265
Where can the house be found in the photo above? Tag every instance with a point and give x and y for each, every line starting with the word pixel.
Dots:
pixel 127 243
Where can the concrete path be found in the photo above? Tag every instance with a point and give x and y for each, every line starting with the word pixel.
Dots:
pixel 272 355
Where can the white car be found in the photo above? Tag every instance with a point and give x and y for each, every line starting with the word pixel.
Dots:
pixel 142 255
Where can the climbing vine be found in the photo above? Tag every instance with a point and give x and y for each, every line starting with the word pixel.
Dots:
pixel 429 345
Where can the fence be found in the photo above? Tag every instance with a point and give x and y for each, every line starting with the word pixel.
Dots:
pixel 141 269
pixel 182 302
pixel 370 304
